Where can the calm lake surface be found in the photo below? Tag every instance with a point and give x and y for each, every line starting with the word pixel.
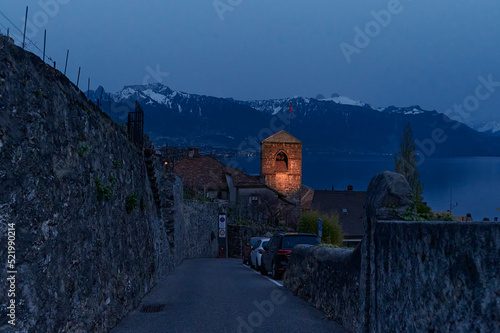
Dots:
pixel 473 181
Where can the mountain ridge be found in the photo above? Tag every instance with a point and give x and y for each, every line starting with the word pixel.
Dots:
pixel 337 125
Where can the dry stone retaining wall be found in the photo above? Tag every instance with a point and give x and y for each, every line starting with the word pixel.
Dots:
pixel 405 276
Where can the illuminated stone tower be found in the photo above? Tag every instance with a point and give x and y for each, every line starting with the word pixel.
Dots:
pixel 281 162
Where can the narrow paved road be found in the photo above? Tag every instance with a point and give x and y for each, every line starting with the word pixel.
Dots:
pixel 222 295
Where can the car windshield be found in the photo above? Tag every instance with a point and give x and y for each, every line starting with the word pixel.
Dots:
pixel 257 244
pixel 265 243
pixel 290 241
pixel 254 240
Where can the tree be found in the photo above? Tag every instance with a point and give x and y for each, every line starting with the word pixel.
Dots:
pixel 405 163
pixel 332 232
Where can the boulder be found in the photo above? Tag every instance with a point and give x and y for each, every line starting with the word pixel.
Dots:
pixel 389 196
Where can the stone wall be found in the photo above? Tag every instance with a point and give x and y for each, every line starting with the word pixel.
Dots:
pixel 67 172
pixel 436 277
pixel 409 276
pixel 329 279
pixel 199 229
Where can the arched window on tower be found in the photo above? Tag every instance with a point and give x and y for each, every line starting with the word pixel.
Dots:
pixel 281 164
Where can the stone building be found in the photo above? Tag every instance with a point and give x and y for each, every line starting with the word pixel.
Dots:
pixel 248 196
pixel 281 163
pixel 348 205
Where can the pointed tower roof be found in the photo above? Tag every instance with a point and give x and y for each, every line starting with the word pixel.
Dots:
pixel 281 137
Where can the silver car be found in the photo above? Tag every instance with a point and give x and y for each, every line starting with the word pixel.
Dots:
pixel 256 254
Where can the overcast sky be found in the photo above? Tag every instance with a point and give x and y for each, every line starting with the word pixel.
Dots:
pixel 383 52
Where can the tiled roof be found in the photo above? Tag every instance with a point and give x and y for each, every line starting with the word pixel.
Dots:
pixel 241 179
pixel 281 137
pixel 209 173
pixel 348 205
pixel 202 171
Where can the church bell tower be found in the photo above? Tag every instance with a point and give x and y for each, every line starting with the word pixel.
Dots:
pixel 281 162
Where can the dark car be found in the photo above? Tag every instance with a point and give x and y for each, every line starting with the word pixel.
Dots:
pixel 279 249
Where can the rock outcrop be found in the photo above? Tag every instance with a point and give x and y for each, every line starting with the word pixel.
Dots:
pixel 388 196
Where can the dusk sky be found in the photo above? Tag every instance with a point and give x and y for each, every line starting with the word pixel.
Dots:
pixel 432 53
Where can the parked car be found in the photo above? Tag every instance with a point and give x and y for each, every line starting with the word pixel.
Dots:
pixel 257 251
pixel 254 240
pixel 247 249
pixel 278 251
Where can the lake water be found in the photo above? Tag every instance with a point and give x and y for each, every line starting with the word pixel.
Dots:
pixel 473 181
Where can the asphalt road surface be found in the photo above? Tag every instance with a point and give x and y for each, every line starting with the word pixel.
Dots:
pixel 222 295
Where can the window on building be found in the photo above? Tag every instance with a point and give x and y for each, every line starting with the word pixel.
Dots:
pixel 344 210
pixel 281 163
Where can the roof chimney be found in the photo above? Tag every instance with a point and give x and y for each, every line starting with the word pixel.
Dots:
pixel 194 153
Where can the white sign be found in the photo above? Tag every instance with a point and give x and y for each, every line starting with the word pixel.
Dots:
pixel 222 225
pixel 320 228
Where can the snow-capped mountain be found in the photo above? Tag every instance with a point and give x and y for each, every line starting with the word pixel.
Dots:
pixel 274 106
pixel 337 125
pixel 489 127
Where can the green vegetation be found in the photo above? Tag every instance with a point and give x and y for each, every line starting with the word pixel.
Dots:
pixel 405 163
pixel 413 214
pixel 117 164
pixel 335 246
pixel 189 195
pixel 83 149
pixel 131 202
pixel 328 245
pixel 443 217
pixel 332 232
pixel 104 192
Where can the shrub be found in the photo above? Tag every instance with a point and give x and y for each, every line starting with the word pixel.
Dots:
pixel 103 192
pixel 83 149
pixel 332 232
pixel 444 217
pixel 117 164
pixel 131 202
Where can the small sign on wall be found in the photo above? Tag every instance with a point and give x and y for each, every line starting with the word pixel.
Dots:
pixel 222 225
